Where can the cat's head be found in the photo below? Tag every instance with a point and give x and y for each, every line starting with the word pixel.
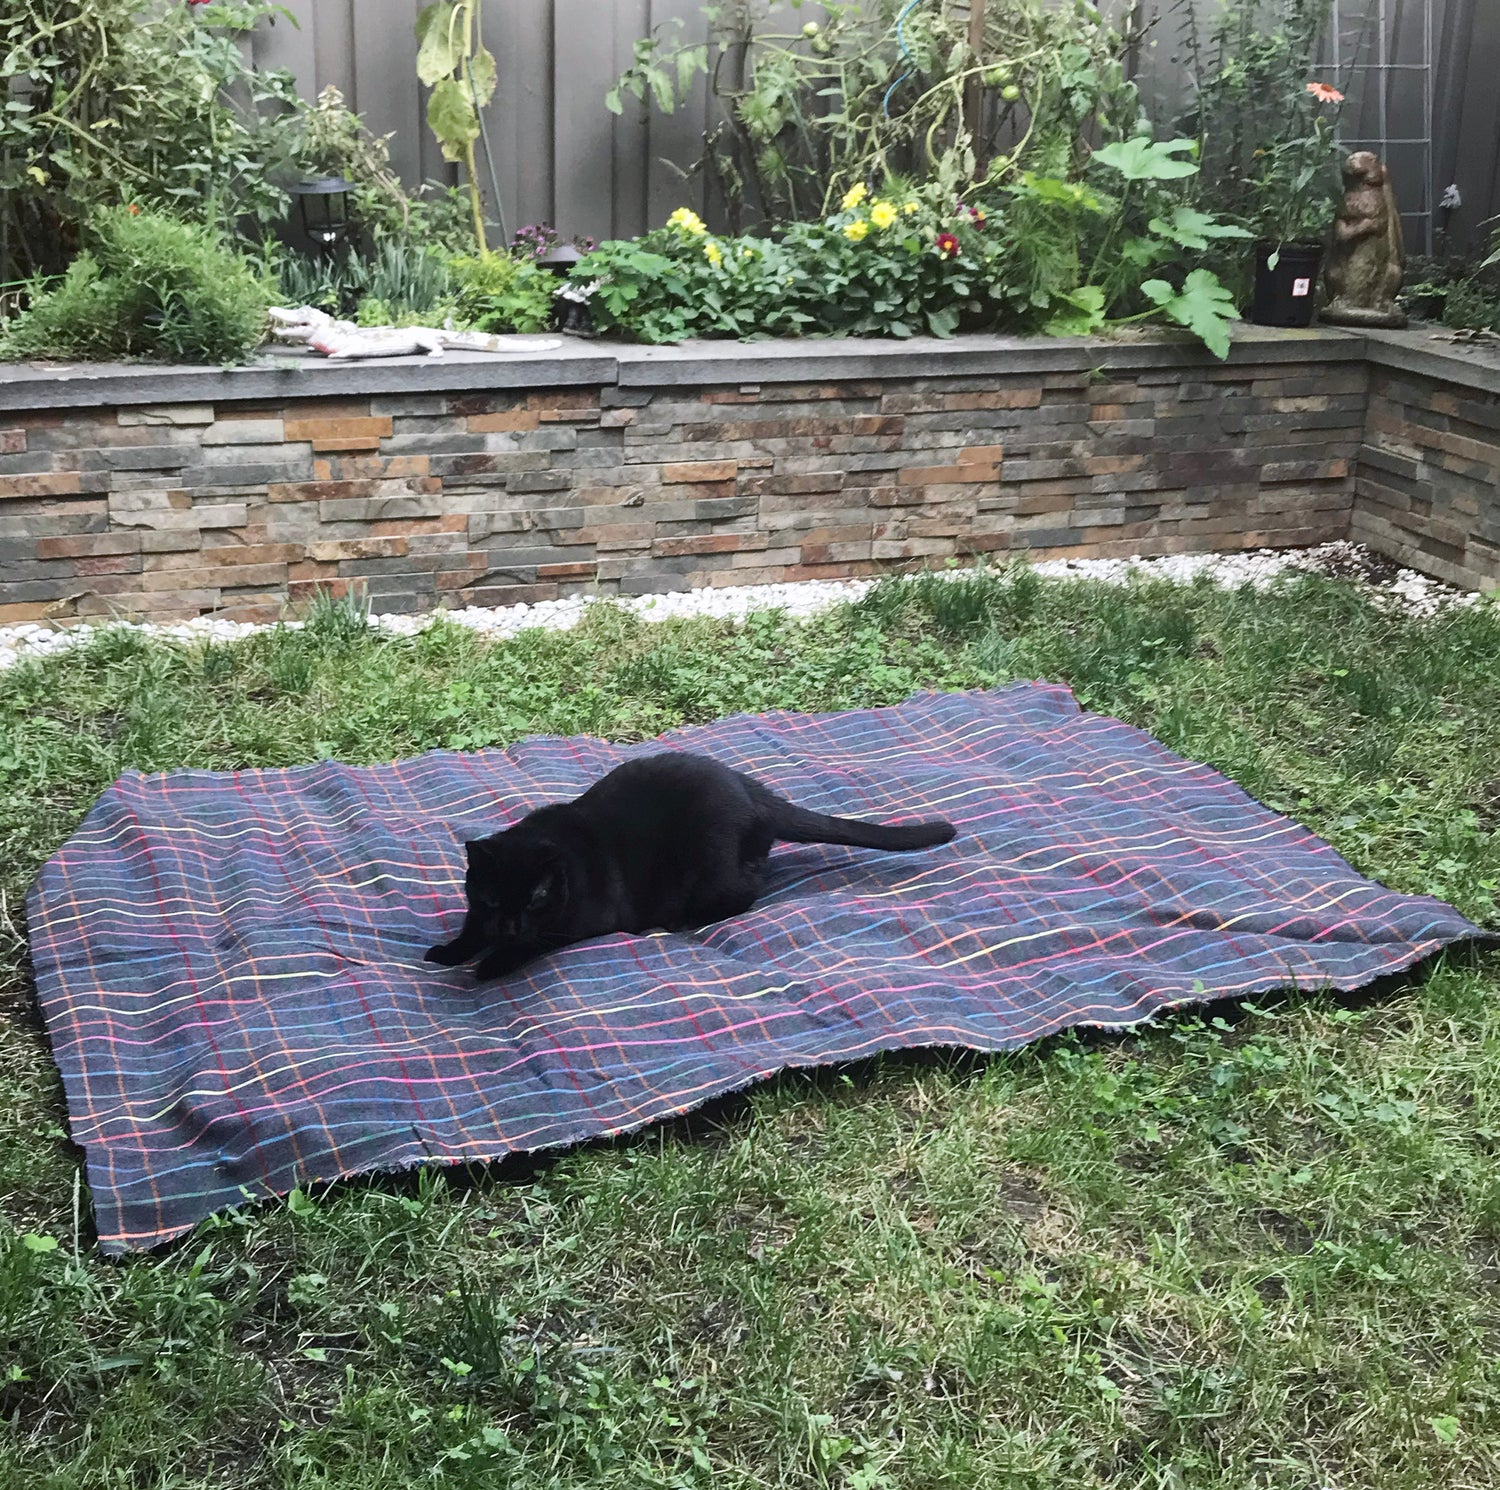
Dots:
pixel 517 887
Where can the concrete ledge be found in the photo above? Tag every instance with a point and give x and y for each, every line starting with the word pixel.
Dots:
pixel 1473 365
pixel 814 361
pixel 295 374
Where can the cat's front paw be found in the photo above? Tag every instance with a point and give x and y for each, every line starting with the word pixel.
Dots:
pixel 497 965
pixel 447 954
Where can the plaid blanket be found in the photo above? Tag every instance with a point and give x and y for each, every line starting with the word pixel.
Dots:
pixel 231 967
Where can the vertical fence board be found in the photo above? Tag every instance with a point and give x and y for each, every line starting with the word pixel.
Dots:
pixel 584 53
pixel 519 33
pixel 291 44
pixel 631 143
pixel 333 47
pixel 389 96
pixel 675 141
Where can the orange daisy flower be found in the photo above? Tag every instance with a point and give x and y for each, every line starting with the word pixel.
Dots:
pixel 1325 93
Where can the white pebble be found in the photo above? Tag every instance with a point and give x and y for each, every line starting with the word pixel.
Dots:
pixel 1408 591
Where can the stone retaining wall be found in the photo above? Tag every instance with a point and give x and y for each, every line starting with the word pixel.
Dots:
pixel 169 493
pixel 1428 486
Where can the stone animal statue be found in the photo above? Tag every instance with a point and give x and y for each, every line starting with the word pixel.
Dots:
pixel 1367 256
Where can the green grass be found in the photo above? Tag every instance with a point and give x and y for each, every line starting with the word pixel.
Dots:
pixel 1255 1248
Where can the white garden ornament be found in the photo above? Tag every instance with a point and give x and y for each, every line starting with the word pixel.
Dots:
pixel 343 340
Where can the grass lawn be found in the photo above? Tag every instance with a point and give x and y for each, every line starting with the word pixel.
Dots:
pixel 1259 1247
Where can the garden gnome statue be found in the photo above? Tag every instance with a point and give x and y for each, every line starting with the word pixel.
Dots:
pixel 1367 256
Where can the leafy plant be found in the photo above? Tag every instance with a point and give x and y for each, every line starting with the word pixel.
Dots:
pixel 404 284
pixel 333 141
pixel 404 281
pixel 499 292
pixel 146 286
pixel 1201 305
pixel 1265 124
pixel 453 62
pixel 879 87
pixel 399 283
pixel 1472 304
pixel 883 266
pixel 1466 284
pixel 1114 247
pixel 1066 257
pixel 114 101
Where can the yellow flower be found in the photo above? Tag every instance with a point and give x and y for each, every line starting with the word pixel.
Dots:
pixel 882 214
pixel 712 253
pixel 688 220
pixel 855 195
pixel 912 207
pixel 854 231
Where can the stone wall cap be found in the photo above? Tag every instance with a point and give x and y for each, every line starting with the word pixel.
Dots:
pixel 293 372
pixel 814 360
pixel 1432 353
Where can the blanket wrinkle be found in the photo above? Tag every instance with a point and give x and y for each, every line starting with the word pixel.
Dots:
pixel 229 963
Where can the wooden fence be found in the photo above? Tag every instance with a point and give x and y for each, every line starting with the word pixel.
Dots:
pixel 561 157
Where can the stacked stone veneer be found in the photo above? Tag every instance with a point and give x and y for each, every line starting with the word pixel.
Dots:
pixel 1428 484
pixel 461 482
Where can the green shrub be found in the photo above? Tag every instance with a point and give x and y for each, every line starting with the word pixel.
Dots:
pixel 1472 304
pixel 497 292
pixel 1061 256
pixel 116 100
pixel 884 266
pixel 146 286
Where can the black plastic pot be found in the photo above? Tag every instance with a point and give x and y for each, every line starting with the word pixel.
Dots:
pixel 1284 294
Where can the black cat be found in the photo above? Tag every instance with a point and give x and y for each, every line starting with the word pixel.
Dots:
pixel 668 842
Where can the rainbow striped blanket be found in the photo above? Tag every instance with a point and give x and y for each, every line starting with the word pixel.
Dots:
pixel 230 965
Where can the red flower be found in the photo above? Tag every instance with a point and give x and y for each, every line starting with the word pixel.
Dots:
pixel 947 245
pixel 132 209
pixel 974 214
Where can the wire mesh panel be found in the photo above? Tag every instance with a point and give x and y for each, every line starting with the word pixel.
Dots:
pixel 1382 52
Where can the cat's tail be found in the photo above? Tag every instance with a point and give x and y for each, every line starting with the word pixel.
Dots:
pixel 793 824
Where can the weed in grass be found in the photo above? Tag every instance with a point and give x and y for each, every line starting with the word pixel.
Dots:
pixel 338 618
pixel 1255 1246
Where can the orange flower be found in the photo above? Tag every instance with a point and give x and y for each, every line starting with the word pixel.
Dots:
pixel 133 210
pixel 1325 93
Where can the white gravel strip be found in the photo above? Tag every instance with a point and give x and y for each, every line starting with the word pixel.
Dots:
pixel 1413 593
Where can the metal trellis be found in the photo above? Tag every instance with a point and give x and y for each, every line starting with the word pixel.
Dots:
pixel 1371 64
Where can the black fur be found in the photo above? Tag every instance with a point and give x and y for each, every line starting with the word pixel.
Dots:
pixel 668 842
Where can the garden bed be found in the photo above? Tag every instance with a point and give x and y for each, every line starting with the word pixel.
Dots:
pixel 164 493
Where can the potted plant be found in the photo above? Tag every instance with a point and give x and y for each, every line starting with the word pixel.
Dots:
pixel 1296 187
